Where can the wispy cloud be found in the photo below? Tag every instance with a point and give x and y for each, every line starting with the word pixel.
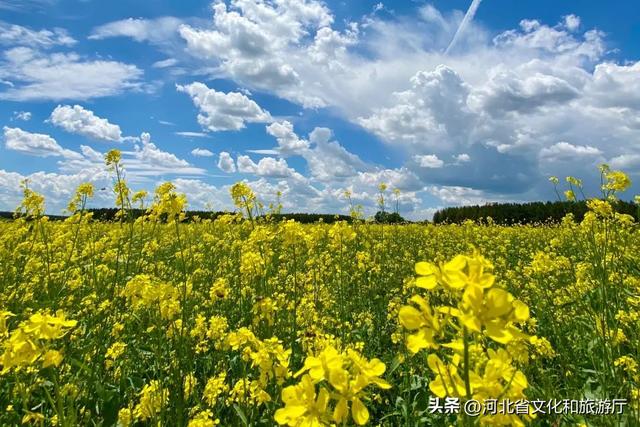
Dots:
pixel 188 134
pixel 468 17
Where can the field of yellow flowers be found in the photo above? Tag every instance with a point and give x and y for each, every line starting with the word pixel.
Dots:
pixel 247 322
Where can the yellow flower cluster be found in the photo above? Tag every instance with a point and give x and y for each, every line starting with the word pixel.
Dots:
pixel 473 368
pixel 29 342
pixel 268 356
pixel 145 292
pixel 168 203
pixel 153 398
pixel 339 376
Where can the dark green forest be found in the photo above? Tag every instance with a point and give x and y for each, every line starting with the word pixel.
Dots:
pixel 524 213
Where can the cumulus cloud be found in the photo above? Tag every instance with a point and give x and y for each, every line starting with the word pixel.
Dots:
pixel 428 161
pixel 150 154
pixel 433 112
pixel 401 178
pixel 226 163
pixel 533 35
pixel 626 162
pixel 84 122
pixel 144 168
pixel 462 158
pixel 508 92
pixel 257 43
pixel 288 141
pixel 564 151
pixel 201 152
pixel 504 95
pixel 615 85
pixel 266 166
pixel 221 111
pixel 35 144
pixel 572 22
pixel 328 160
pixel 455 195
pixel 203 196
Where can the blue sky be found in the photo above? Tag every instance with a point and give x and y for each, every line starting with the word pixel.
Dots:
pixel 311 98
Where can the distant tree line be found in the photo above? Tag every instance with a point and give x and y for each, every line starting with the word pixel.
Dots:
pixel 309 218
pixel 501 213
pixel 524 213
pixel 109 214
pixel 12 215
pixel 382 217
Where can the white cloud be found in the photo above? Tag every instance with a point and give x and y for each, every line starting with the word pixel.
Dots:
pixel 296 192
pixel 626 162
pixel 150 154
pixel 187 134
pixel 221 111
pixel 91 154
pixel 141 30
pixel 268 152
pixel 21 115
pixel 329 46
pixel 201 152
pixel 288 141
pixel 564 151
pixel 455 195
pixel 499 99
pixel 572 22
pixel 84 122
pixel 57 188
pixel 266 166
pixel 255 43
pixel 35 144
pixel 165 63
pixel 432 113
pixel 17 35
pixel 462 158
pixel 428 161
pixel 507 91
pixel 35 75
pixel 328 160
pixel 615 85
pixel 144 164
pixel 226 163
pixel 534 35
pixel 203 196
pixel 402 179
pixel 25 6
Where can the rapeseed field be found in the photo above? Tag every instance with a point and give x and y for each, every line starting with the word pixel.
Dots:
pixel 242 321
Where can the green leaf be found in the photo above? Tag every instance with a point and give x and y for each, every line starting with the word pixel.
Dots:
pixel 241 414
